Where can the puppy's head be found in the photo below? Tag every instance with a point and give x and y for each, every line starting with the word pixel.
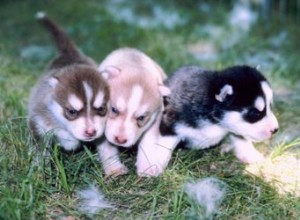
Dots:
pixel 136 101
pixel 247 101
pixel 80 101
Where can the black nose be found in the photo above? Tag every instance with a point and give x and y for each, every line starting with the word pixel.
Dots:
pixel 275 130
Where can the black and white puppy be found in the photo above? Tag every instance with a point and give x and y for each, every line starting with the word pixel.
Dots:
pixel 205 106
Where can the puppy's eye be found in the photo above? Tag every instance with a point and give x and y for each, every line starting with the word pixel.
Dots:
pixel 101 110
pixel 142 120
pixel 71 114
pixel 115 110
pixel 253 115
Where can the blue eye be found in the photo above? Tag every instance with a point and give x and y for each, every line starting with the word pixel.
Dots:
pixel 114 110
pixel 101 110
pixel 71 114
pixel 141 118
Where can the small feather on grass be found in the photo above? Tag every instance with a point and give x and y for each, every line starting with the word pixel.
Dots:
pixel 92 200
pixel 208 193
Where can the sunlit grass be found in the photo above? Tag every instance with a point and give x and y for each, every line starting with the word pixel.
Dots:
pixel 282 173
pixel 281 168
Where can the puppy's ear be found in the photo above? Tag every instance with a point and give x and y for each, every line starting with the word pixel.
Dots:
pixel 164 90
pixel 52 81
pixel 110 72
pixel 225 91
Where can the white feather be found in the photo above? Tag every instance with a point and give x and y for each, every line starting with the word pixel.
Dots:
pixel 40 15
pixel 208 193
pixel 92 200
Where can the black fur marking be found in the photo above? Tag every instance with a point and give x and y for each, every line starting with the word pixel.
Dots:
pixel 253 115
pixel 194 90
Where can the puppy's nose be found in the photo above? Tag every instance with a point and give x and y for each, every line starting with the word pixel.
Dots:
pixel 90 132
pixel 120 140
pixel 274 130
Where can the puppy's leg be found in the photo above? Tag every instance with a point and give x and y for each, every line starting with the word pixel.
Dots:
pixel 67 141
pixel 110 160
pixel 245 151
pixel 154 153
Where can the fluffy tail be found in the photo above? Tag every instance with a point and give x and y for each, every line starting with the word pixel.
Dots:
pixel 63 43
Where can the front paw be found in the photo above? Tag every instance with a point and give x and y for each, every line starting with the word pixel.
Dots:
pixel 251 157
pixel 245 151
pixel 150 170
pixel 114 171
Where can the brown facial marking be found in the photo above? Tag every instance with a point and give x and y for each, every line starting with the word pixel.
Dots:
pixel 71 83
pixel 71 114
pixel 101 111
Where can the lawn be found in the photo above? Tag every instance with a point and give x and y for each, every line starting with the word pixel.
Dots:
pixel 174 33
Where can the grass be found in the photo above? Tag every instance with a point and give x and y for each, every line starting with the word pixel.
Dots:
pixel 268 191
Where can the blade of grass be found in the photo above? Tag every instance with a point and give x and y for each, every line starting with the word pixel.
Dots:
pixel 283 147
pixel 62 174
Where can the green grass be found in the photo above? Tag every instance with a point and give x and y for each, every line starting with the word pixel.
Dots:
pixel 268 191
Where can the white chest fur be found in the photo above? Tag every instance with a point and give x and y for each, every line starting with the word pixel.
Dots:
pixel 205 136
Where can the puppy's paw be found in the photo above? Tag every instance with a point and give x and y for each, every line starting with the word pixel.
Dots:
pixel 150 171
pixel 251 157
pixel 225 148
pixel 114 171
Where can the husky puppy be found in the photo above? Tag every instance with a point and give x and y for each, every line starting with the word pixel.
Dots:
pixel 136 91
pixel 71 99
pixel 205 106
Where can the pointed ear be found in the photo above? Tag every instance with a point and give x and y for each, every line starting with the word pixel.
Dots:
pixel 53 81
pixel 164 91
pixel 225 91
pixel 110 72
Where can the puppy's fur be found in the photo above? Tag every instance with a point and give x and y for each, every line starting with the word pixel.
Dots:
pixel 204 106
pixel 70 100
pixel 136 89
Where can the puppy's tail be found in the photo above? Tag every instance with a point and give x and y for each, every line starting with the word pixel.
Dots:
pixel 63 43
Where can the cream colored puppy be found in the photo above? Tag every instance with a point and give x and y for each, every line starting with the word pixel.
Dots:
pixel 136 92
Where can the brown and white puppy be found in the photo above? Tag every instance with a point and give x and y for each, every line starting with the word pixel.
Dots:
pixel 71 99
pixel 136 91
